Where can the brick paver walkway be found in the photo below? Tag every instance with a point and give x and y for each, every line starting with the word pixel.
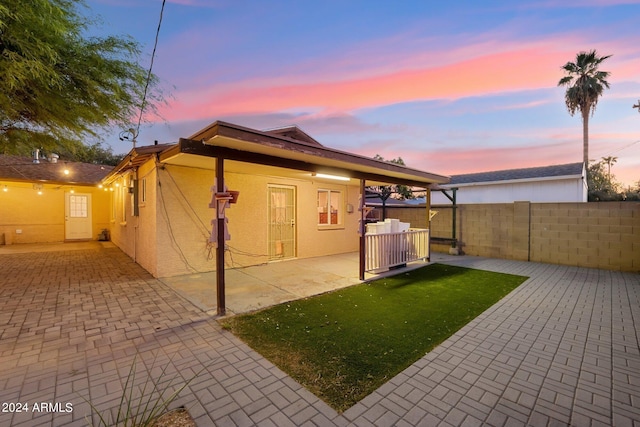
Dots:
pixel 562 349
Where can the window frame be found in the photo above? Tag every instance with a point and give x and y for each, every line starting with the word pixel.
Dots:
pixel 339 210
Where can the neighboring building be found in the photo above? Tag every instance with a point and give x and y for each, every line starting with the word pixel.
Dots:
pixel 558 183
pixel 296 198
pixel 45 200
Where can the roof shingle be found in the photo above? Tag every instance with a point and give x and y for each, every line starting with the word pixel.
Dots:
pixel 569 169
pixel 22 168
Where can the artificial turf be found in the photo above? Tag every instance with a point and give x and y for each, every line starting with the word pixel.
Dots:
pixel 344 344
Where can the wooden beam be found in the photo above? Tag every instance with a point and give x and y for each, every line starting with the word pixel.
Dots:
pixel 189 146
pixel 362 249
pixel 220 277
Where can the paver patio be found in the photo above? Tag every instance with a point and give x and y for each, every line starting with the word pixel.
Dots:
pixel 562 349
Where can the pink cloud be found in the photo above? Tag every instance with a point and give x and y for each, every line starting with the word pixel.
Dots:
pixel 468 160
pixel 534 67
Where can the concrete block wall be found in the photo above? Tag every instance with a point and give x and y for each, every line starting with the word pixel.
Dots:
pixel 602 235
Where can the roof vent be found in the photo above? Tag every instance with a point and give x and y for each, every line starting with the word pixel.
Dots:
pixel 53 158
pixel 36 155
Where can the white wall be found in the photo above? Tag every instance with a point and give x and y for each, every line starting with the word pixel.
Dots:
pixel 541 191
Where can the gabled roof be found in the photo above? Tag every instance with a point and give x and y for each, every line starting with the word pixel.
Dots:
pixel 569 170
pixel 293 132
pixel 22 168
pixel 138 156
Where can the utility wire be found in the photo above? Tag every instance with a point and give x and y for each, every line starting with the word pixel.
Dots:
pixel 146 86
pixel 623 148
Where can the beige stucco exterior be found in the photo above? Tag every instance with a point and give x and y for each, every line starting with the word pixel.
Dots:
pixel 170 236
pixel 29 217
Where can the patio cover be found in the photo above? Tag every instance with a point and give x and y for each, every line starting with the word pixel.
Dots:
pixel 226 141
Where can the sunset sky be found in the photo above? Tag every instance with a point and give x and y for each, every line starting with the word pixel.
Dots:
pixel 451 87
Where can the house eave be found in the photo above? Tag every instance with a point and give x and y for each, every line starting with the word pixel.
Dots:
pixel 260 147
pixel 513 181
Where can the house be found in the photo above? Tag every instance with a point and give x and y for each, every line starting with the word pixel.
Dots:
pixel 43 199
pixel 557 183
pixel 262 196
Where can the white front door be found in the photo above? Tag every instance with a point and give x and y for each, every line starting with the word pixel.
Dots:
pixel 77 216
pixel 282 222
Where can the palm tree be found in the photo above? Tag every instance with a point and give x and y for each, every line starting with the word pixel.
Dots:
pixel 585 84
pixel 609 161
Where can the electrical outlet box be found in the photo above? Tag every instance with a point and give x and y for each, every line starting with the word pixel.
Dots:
pixel 18 231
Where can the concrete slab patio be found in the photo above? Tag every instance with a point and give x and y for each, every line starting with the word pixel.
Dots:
pixel 561 349
pixel 252 288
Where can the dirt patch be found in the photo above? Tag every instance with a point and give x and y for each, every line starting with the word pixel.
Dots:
pixel 177 418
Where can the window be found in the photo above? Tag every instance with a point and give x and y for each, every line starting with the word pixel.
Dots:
pixel 114 203
pixel 123 201
pixel 329 207
pixel 78 206
pixel 143 191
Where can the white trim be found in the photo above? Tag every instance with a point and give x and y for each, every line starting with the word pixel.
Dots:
pixel 514 181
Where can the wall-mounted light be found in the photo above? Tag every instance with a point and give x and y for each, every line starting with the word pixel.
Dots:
pixel 5 188
pixel 38 188
pixel 327 176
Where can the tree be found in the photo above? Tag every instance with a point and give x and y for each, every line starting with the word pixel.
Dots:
pixel 59 88
pixel 637 106
pixel 585 84
pixel 609 161
pixel 386 191
pixel 602 186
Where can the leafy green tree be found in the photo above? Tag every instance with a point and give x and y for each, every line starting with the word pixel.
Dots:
pixel 402 191
pixel 60 88
pixel 602 185
pixel 385 192
pixel 585 84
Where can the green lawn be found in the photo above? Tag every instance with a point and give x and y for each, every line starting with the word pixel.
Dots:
pixel 344 344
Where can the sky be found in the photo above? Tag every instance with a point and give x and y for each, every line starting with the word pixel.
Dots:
pixel 450 87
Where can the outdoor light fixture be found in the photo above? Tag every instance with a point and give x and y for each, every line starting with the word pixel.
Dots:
pixel 327 176
pixel 5 189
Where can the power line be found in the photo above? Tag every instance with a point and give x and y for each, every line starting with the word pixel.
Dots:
pixel 623 148
pixel 146 86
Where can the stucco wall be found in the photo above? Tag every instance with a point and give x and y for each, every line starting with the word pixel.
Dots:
pixel 26 217
pixel 602 235
pixel 173 228
pixel 135 235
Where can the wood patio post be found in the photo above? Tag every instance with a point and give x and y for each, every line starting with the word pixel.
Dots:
pixel 427 199
pixel 362 229
pixel 220 285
